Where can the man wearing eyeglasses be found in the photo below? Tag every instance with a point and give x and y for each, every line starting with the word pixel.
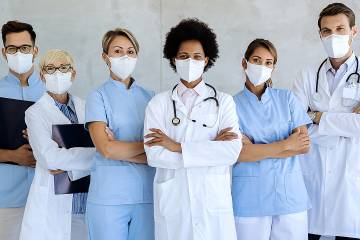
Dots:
pixel 21 83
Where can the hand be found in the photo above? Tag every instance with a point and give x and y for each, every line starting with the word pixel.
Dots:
pixel 56 172
pixel 110 134
pixel 158 138
pixel 226 135
pixel 25 134
pixel 298 141
pixel 246 140
pixel 356 109
pixel 318 116
pixel 23 156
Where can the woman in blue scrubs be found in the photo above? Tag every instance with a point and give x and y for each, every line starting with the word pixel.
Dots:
pixel 269 195
pixel 120 200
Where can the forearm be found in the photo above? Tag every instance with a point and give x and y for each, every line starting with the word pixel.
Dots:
pixel 141 158
pixel 257 152
pixel 120 150
pixel 5 155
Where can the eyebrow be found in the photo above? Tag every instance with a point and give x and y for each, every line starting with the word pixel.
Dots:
pixel 122 47
pixel 261 58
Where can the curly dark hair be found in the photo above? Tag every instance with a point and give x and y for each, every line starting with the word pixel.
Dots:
pixel 191 29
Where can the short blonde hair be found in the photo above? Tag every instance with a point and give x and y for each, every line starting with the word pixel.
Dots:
pixel 110 35
pixel 52 55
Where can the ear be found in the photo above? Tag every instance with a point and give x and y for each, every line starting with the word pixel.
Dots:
pixel 3 53
pixel 244 63
pixel 206 61
pixel 73 75
pixel 106 59
pixel 354 31
pixel 36 51
pixel 42 78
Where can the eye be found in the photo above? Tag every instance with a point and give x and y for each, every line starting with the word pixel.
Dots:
pixel 131 52
pixel 269 63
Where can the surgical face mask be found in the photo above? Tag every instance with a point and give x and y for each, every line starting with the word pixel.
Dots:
pixel 123 66
pixel 189 69
pixel 336 46
pixel 20 62
pixel 258 74
pixel 58 82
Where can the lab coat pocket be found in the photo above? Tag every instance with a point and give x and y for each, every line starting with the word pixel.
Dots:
pixel 167 198
pixel 296 193
pixel 245 192
pixel 218 192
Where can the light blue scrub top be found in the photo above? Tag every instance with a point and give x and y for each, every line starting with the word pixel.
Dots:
pixel 115 182
pixel 15 180
pixel 272 186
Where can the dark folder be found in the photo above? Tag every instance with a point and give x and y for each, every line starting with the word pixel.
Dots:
pixel 69 136
pixel 12 123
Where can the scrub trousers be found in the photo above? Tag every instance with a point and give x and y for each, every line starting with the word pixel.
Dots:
pixel 120 222
pixel 10 223
pixel 279 227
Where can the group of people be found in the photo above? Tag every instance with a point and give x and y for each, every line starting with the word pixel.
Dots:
pixel 190 163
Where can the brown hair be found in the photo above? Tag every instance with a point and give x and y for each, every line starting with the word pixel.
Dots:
pixel 335 9
pixel 261 43
pixel 110 35
pixel 17 27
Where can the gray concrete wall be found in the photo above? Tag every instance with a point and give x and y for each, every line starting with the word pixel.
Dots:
pixel 78 26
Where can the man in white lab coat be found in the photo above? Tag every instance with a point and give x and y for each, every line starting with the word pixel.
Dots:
pixel 331 93
pixel 188 140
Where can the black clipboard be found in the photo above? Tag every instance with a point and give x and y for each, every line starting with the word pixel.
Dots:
pixel 69 136
pixel 12 123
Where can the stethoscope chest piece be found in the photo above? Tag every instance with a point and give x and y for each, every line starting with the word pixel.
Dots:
pixel 175 121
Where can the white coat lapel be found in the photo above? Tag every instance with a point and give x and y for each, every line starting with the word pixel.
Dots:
pixel 79 108
pixel 56 116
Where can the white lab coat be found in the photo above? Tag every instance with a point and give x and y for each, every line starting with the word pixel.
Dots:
pixel 332 167
pixel 192 194
pixel 48 216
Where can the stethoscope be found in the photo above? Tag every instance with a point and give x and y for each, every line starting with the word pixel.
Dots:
pixel 176 120
pixel 351 76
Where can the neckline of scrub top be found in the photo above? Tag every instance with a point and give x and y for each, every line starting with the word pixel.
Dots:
pixel 122 85
pixel 348 63
pixel 33 79
pixel 265 97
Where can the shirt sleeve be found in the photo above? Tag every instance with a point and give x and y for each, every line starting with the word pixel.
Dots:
pixel 95 109
pixel 299 116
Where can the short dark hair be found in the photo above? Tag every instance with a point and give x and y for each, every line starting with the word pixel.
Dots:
pixel 191 29
pixel 261 43
pixel 335 9
pixel 17 27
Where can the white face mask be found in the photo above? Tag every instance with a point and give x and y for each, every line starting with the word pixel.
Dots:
pixel 189 69
pixel 258 74
pixel 20 62
pixel 123 66
pixel 58 82
pixel 336 46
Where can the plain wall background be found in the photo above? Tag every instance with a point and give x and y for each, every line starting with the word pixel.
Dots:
pixel 78 27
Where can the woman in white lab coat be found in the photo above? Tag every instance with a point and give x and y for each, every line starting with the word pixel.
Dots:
pixel 332 167
pixel 48 216
pixel 187 139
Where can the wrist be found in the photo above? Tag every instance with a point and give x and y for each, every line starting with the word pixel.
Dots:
pixel 6 156
pixel 177 147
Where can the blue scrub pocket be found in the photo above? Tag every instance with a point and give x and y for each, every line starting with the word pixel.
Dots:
pixel 245 193
pixel 296 193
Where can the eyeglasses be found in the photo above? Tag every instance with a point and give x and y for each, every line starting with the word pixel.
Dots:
pixel 64 68
pixel 11 49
